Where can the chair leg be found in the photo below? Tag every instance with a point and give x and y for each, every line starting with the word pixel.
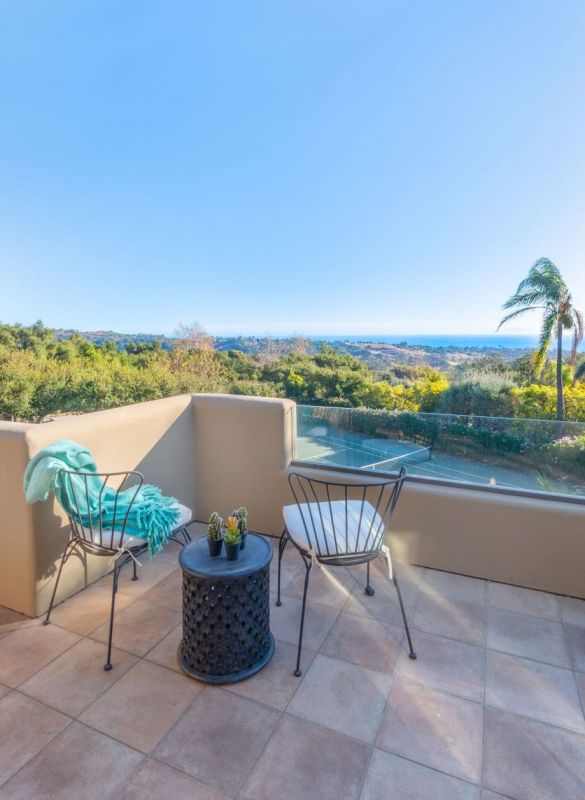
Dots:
pixel 108 664
pixel 174 538
pixel 66 553
pixel 308 565
pixel 369 590
pixel 411 654
pixel 281 545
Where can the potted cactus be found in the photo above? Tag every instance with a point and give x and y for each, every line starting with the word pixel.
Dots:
pixel 233 539
pixel 215 534
pixel 241 514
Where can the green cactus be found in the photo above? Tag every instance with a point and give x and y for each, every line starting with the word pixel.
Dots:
pixel 215 527
pixel 233 535
pixel 241 514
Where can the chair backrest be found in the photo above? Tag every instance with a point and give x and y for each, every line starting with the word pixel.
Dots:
pixel 345 519
pixel 100 505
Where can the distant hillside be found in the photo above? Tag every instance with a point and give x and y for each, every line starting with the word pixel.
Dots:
pixel 41 376
pixel 121 339
pixel 377 355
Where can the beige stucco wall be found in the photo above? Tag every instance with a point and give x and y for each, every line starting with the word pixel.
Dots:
pixel 209 451
pixel 17 527
pixel 215 452
pixel 525 541
pixel 243 447
pixel 155 438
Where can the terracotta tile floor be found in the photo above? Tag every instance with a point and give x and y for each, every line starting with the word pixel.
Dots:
pixel 492 708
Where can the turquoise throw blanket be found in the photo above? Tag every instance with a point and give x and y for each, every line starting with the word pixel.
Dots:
pixel 152 516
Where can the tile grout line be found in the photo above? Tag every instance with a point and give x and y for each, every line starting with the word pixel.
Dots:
pixel 83 637
pixel 21 691
pixel 70 717
pixel 493 649
pixel 150 757
pixel 528 658
pixel 540 722
pixel 448 693
pixel 483 716
pixel 218 688
pixel 99 697
pixel 482 702
pixel 580 695
pixel 92 630
pixel 431 768
pixel 44 747
pixel 139 659
pixel 284 712
pixel 116 613
pixel 248 774
pixel 73 720
pixel 420 763
pixel 242 786
pixel 52 660
pixel 372 745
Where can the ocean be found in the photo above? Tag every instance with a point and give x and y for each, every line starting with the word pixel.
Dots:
pixel 493 340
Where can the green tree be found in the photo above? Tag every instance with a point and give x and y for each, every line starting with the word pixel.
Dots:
pixel 545 290
pixel 523 372
pixel 485 395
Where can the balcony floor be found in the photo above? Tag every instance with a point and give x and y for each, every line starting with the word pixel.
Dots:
pixel 495 699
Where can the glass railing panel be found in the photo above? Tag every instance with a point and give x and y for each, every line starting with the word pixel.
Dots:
pixel 524 454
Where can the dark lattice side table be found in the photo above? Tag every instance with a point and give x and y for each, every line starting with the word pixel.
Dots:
pixel 226 612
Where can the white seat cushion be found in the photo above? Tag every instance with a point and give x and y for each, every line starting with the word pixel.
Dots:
pixel 185 515
pixel 362 519
pixel 133 541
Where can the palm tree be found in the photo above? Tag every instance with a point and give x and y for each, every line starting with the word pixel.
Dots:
pixel 544 289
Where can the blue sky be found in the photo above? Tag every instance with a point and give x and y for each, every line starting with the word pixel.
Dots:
pixel 275 167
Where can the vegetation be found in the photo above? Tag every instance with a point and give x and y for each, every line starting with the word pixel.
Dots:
pixel 522 443
pixel 544 289
pixel 42 375
pixel 241 514
pixel 567 455
pixel 232 532
pixel 215 527
pixel 483 394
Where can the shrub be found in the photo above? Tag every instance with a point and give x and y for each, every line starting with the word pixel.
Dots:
pixel 567 454
pixel 540 402
pixel 489 439
pixel 481 395
pixel 405 426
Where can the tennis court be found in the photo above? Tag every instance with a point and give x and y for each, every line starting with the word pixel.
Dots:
pixel 325 444
pixel 350 450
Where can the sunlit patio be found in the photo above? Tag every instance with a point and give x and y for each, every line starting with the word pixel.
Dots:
pixel 292 401
pixel 493 706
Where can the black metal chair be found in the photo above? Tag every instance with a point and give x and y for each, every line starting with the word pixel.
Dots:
pixel 90 535
pixel 340 524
